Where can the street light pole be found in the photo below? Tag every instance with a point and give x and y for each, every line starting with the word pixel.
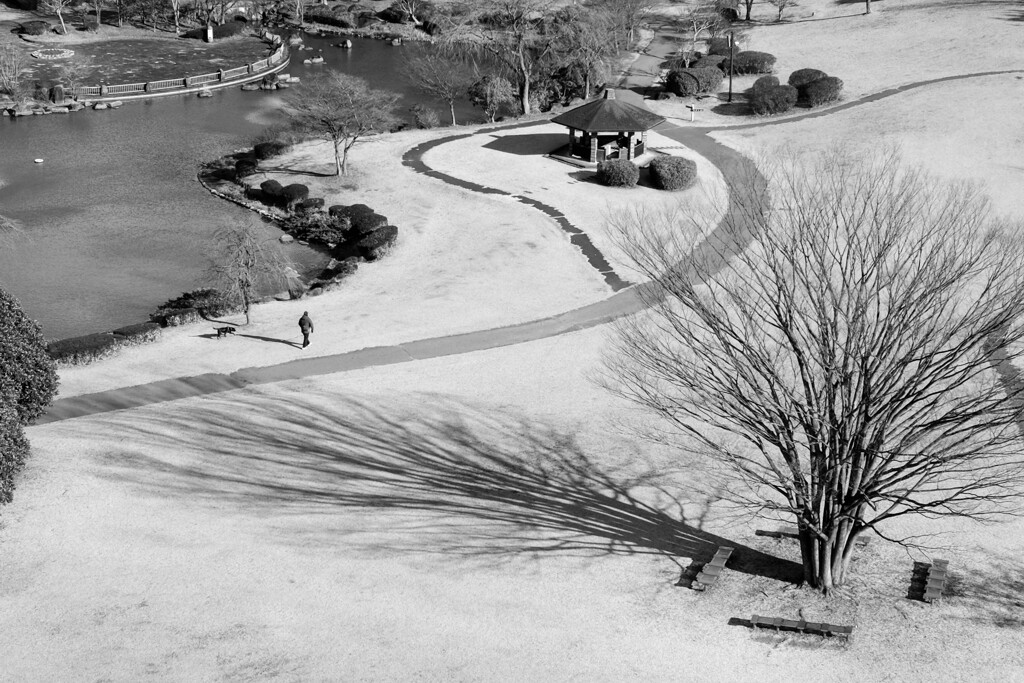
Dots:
pixel 732 43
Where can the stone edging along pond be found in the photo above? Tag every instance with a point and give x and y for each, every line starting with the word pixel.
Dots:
pixel 82 97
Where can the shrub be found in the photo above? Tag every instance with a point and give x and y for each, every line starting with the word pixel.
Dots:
pixel 311 205
pixel 720 46
pixel 294 193
pixel 316 227
pixel 378 243
pixel 176 317
pixel 711 62
pixel 13 451
pixel 763 83
pixel 393 14
pixel 673 173
pixel 84 350
pixel 752 63
pixel 777 99
pixel 206 300
pixel 91 24
pixel 693 81
pixel 424 117
pixel 338 210
pixel 356 210
pixel 271 189
pixel 245 167
pixel 823 91
pixel 141 333
pixel 364 223
pixel 618 173
pixel 35 28
pixel 28 379
pixel 320 15
pixel 266 150
pixel 801 77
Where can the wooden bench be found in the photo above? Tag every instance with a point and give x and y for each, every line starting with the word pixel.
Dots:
pixel 936 581
pixel 800 626
pixel 709 575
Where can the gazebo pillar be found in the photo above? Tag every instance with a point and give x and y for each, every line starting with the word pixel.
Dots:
pixel 632 145
pixel 593 149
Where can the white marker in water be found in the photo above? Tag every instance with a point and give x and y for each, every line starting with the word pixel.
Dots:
pixel 39 161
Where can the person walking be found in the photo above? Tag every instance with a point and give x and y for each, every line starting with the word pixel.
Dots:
pixel 306 325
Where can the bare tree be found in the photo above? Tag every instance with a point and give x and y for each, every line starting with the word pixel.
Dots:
pixel 340 108
pixel 834 352
pixel 781 5
pixel 582 45
pixel 57 7
pixel 412 8
pixel 443 75
pixel 748 5
pixel 629 14
pixel 244 263
pixel 13 64
pixel 176 11
pixel 702 16
pixel 507 30
pixel 73 72
pixel 491 92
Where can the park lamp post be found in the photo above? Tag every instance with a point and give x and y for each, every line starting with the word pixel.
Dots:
pixel 732 43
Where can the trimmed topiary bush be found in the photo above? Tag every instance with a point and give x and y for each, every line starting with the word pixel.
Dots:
pixel 141 333
pixel 823 91
pixel 752 63
pixel 13 451
pixel 762 84
pixel 35 28
pixel 338 210
pixel 720 46
pixel 365 223
pixel 692 81
pixel 378 243
pixel 85 350
pixel 293 194
pixel 245 167
pixel 28 379
pixel 776 99
pixel 206 300
pixel 802 77
pixel 266 150
pixel 711 62
pixel 673 173
pixel 618 173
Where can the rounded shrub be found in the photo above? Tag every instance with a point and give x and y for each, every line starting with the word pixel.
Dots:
pixel 266 150
pixel 750 62
pixel 365 223
pixel 356 210
pixel 294 193
pixel 271 188
pixel 28 378
pixel 711 62
pixel 777 99
pixel 692 81
pixel 673 173
pixel 763 83
pixel 618 173
pixel 35 28
pixel 719 45
pixel 378 243
pixel 245 167
pixel 337 211
pixel 802 77
pixel 823 91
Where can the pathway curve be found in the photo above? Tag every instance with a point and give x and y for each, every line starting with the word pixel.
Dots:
pixel 730 163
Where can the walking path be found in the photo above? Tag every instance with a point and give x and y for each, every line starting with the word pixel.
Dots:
pixel 730 163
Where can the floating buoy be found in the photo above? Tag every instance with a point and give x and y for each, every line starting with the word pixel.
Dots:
pixel 39 161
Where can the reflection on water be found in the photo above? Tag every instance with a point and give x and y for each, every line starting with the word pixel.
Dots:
pixel 114 222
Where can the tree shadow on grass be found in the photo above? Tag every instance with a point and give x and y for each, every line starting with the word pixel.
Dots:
pixel 475 482
pixel 296 171
pixel 527 145
pixel 993 596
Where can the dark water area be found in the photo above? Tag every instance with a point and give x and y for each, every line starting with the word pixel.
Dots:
pixel 114 223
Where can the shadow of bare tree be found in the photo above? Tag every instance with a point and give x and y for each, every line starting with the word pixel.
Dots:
pixel 471 481
pixel 993 596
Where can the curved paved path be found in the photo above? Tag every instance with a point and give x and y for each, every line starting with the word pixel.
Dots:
pixel 631 300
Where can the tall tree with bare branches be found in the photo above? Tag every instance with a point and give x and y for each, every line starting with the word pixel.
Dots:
pixel 442 75
pixel 244 262
pixel 340 108
pixel 834 351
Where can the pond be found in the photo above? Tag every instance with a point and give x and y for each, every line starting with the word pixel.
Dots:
pixel 114 222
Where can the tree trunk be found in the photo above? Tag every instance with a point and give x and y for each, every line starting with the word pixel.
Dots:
pixel 339 161
pixel 63 28
pixel 867 6
pixel 826 562
pixel 98 22
pixel 586 86
pixel 451 106
pixel 246 303
pixel 749 4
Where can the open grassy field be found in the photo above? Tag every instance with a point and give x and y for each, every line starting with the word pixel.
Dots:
pixel 491 516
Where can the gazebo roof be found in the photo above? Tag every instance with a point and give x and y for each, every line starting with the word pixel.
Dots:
pixel 609 114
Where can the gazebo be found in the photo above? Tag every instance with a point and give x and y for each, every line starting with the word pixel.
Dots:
pixel 608 128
